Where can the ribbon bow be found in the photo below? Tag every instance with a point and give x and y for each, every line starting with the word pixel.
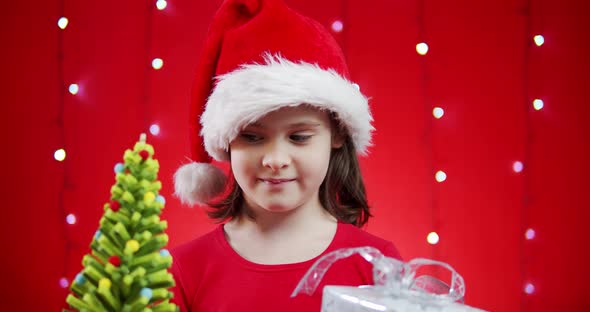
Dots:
pixel 392 276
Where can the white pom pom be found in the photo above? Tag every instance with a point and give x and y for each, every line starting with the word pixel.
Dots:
pixel 198 183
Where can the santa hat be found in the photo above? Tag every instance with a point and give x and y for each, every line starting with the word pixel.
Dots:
pixel 260 56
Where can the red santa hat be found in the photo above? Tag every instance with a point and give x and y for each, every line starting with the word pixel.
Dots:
pixel 260 56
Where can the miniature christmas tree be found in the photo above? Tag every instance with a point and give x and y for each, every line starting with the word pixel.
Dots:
pixel 126 269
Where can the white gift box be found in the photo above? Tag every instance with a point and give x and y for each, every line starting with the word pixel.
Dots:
pixel 372 298
pixel 398 286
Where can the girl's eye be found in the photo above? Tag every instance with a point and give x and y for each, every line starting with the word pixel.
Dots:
pixel 299 138
pixel 249 137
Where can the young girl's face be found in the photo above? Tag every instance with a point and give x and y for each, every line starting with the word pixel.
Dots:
pixel 280 161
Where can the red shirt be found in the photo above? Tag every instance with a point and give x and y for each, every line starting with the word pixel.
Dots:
pixel 211 276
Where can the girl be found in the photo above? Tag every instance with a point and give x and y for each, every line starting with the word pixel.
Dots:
pixel 286 117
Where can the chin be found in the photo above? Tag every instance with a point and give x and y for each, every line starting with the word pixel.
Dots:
pixel 278 207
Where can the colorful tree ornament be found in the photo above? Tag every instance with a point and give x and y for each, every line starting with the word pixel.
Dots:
pixel 115 260
pixel 127 268
pixel 114 205
pixel 144 154
pixel 119 167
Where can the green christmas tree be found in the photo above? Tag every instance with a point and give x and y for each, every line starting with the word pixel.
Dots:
pixel 127 268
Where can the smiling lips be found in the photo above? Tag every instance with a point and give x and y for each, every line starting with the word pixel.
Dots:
pixel 276 181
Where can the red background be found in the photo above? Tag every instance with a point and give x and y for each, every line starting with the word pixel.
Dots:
pixel 482 68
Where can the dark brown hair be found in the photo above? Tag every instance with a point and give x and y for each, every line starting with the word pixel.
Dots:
pixel 342 193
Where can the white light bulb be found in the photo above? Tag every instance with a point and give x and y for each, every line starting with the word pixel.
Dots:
pixel 157 63
pixel 529 288
pixel 517 166
pixel 155 129
pixel 73 88
pixel 438 112
pixel 432 238
pixel 59 154
pixel 71 218
pixel 161 4
pixel 62 22
pixel 539 40
pixel 440 176
pixel 529 234
pixel 356 86
pixel 538 104
pixel 63 282
pixel 337 26
pixel 422 48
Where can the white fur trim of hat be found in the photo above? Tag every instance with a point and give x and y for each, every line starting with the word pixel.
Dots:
pixel 244 95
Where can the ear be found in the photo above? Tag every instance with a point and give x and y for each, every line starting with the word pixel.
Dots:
pixel 338 133
pixel 337 139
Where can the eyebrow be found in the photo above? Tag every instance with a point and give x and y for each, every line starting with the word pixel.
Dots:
pixel 293 125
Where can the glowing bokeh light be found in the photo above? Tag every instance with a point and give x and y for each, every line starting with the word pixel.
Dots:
pixel 73 88
pixel 63 282
pixel 432 238
pixel 62 22
pixel 529 288
pixel 539 40
pixel 440 176
pixel 529 234
pixel 71 219
pixel 517 166
pixel 438 112
pixel 155 129
pixel 161 4
pixel 59 154
pixel 157 63
pixel 538 104
pixel 422 48
pixel 337 26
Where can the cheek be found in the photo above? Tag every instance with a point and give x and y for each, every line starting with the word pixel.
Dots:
pixel 241 165
pixel 316 167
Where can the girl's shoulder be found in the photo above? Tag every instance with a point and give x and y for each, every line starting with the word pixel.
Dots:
pixel 352 236
pixel 208 241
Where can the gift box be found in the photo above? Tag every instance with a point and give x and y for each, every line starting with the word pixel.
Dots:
pixel 371 299
pixel 398 287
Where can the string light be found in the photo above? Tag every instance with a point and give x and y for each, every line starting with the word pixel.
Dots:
pixel 432 238
pixel 59 154
pixel 539 40
pixel 155 129
pixel 73 88
pixel 337 26
pixel 157 63
pixel 440 176
pixel 517 166
pixel 63 282
pixel 422 48
pixel 538 104
pixel 62 22
pixel 529 288
pixel 529 234
pixel 161 4
pixel 438 112
pixel 71 219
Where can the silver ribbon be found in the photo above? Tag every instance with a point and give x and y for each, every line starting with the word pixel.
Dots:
pixel 392 276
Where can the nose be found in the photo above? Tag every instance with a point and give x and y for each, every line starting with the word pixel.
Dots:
pixel 276 158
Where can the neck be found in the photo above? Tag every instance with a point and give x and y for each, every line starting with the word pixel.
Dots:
pixel 290 236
